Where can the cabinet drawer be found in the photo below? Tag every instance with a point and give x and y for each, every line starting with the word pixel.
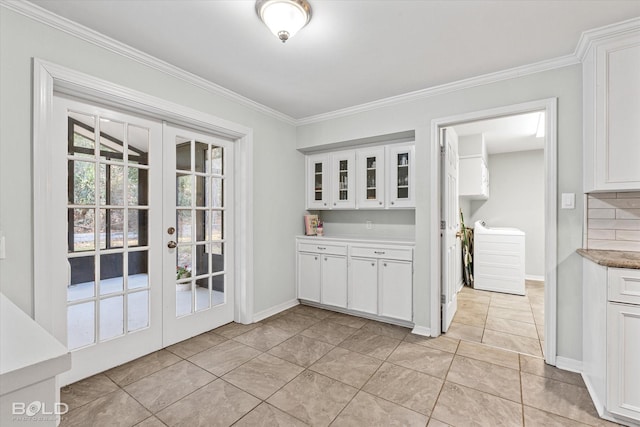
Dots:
pixel 323 248
pixel 624 285
pixel 404 254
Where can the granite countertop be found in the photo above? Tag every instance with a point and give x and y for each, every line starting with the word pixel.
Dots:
pixel 617 259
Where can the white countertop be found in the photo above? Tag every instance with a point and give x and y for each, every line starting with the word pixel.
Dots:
pixel 361 239
pixel 28 354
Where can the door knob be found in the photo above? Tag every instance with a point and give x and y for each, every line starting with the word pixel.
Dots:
pixel 458 234
pixel 171 230
pixel 171 244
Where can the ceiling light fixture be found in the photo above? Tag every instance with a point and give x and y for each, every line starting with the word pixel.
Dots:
pixel 284 17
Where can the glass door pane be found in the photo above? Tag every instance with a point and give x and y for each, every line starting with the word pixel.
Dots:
pixel 107 186
pixel 403 175
pixel 200 210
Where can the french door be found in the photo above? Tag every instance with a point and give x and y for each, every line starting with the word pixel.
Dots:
pixel 198 255
pixel 128 183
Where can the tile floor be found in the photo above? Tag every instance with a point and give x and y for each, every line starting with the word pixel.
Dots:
pixel 512 322
pixel 308 366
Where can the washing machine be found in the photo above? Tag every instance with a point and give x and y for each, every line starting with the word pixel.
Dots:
pixel 498 259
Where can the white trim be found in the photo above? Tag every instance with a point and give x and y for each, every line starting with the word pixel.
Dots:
pixel 421 330
pixel 49 77
pixel 551 179
pixel 567 364
pixel 52 20
pixel 537 67
pixel 257 317
pixel 534 277
pixel 603 33
pixel 594 396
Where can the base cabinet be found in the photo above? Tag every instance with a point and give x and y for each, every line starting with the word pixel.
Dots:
pixel 369 280
pixel 623 360
pixel 611 341
pixel 395 284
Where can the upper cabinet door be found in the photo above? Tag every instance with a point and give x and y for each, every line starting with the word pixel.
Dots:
pixel 611 78
pixel 318 181
pixel 401 182
pixel 343 182
pixel 370 169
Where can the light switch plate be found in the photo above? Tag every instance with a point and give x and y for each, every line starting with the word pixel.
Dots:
pixel 568 201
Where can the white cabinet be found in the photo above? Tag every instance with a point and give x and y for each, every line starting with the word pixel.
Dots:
pixel 322 272
pixel 401 183
pixel 611 348
pixel 396 278
pixel 611 103
pixel 363 285
pixel 373 280
pixel 370 186
pixel 623 362
pixel 318 181
pixel 378 177
pixel 343 180
pixel 474 178
pixel 381 280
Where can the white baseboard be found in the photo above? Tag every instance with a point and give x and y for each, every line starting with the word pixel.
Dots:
pixel 275 310
pixel 534 277
pixel 421 330
pixel 594 396
pixel 567 364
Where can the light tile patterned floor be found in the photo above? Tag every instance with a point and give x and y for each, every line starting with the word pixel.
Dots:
pixel 308 366
pixel 512 322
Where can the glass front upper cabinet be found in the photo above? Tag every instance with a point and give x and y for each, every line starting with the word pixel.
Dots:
pixel 401 176
pixel 343 180
pixel 317 181
pixel 370 169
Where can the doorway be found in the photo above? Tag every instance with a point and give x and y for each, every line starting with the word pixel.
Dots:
pixel 110 233
pixel 542 291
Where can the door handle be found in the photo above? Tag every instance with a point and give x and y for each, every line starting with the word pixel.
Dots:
pixel 171 244
pixel 458 234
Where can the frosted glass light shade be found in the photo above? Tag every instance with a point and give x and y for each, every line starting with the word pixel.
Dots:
pixel 284 17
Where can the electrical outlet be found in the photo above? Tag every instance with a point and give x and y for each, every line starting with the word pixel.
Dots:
pixel 369 225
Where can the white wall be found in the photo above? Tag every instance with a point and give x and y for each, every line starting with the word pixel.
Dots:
pixel 565 84
pixel 278 167
pixel 516 200
pixel 384 223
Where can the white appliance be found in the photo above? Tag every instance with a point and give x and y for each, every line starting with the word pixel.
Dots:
pixel 498 261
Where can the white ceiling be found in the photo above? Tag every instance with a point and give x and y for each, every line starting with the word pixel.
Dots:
pixel 352 52
pixel 506 134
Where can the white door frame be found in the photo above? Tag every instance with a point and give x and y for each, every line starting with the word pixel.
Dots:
pixel 49 77
pixel 550 106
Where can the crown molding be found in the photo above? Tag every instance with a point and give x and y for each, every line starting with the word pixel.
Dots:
pixel 589 37
pixel 46 17
pixel 537 67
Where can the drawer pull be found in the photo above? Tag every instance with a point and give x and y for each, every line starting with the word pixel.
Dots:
pixel 315 257
pixel 325 258
pixel 373 264
pixel 385 264
pixel 379 252
pixel 321 248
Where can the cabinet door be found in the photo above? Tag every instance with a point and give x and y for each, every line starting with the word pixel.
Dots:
pixel 343 180
pixel 623 354
pixel 401 176
pixel 318 181
pixel 309 276
pixel 370 186
pixel 396 289
pixel 363 285
pixel 334 280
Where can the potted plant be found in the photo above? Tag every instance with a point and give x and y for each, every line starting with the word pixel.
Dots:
pixel 183 273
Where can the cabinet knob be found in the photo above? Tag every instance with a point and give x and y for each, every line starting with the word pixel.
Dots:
pixel 334 203
pixel 393 203
pixel 373 264
pixel 315 257
pixel 379 203
pixel 325 204
pixel 385 264
pixel 325 258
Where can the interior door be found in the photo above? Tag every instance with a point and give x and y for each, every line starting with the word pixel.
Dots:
pixel 451 257
pixel 106 163
pixel 198 229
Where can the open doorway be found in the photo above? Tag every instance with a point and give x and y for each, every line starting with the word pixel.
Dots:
pixel 498 169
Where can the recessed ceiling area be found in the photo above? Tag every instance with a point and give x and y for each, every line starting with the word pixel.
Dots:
pixel 507 134
pixel 351 52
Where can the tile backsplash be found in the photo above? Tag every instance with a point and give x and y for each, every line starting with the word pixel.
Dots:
pixel 613 221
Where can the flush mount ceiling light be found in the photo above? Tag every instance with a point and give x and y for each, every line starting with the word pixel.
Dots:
pixel 284 17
